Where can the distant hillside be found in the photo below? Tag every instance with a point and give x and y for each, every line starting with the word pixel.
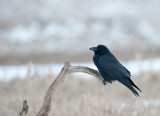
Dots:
pixel 72 26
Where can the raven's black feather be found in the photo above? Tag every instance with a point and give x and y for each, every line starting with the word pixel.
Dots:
pixel 111 69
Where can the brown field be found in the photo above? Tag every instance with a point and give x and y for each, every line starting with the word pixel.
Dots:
pixel 80 97
pixel 45 58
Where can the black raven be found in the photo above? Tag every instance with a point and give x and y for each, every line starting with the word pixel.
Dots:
pixel 111 69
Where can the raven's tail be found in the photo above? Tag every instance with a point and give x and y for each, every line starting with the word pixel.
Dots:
pixel 133 84
pixel 130 86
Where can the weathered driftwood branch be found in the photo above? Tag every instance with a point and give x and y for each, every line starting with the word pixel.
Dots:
pixel 24 109
pixel 65 71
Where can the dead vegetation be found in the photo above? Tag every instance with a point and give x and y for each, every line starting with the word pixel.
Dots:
pixel 80 97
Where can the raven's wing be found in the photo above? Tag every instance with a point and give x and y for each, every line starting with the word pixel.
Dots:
pixel 109 64
pixel 111 70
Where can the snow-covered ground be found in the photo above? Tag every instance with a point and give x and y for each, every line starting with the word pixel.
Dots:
pixel 135 67
pixel 73 26
pixel 28 27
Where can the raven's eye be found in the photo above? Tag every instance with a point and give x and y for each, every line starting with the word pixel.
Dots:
pixel 99 49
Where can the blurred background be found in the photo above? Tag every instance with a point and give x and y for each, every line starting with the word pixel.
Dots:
pixel 37 36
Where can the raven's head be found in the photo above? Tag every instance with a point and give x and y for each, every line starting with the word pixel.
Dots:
pixel 100 49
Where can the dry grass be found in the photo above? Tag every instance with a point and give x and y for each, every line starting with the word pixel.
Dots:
pixel 79 97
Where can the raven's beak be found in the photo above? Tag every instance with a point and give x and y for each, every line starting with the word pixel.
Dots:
pixel 93 49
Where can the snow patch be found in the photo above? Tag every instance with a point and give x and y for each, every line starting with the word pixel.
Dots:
pixel 135 67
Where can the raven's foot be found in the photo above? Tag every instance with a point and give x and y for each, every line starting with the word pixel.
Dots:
pixel 104 82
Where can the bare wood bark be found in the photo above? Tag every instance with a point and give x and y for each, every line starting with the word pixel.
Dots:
pixel 24 109
pixel 65 71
